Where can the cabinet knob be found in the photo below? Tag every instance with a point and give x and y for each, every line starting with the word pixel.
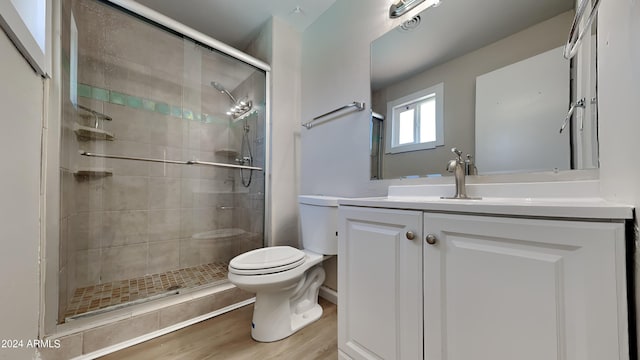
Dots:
pixel 410 235
pixel 431 239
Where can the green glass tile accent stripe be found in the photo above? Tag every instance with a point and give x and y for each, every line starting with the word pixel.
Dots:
pixel 149 105
pixel 135 102
pixel 100 94
pixel 176 111
pixel 163 108
pixel 117 98
pixel 84 90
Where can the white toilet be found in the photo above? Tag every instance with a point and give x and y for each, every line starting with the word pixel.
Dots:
pixel 286 280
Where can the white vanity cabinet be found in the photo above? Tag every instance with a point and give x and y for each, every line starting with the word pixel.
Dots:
pixel 380 284
pixel 511 288
pixel 481 287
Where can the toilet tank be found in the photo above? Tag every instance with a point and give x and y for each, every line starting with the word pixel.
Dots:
pixel 319 222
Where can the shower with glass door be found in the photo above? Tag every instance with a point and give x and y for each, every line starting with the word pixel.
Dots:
pixel 162 161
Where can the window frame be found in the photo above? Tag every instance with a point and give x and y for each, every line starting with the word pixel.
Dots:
pixel 29 28
pixel 414 100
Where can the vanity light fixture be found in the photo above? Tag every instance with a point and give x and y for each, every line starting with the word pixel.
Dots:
pixel 402 6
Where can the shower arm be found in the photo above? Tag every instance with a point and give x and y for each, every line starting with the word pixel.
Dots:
pixel 225 91
pixel 216 85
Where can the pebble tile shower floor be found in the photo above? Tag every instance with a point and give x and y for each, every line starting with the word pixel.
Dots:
pixel 96 297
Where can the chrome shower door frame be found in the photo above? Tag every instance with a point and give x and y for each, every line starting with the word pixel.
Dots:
pixel 51 157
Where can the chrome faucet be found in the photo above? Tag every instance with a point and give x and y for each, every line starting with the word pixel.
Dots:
pixel 459 169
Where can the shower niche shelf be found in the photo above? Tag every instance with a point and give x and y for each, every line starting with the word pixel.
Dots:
pixel 90 133
pixel 93 172
pixel 226 152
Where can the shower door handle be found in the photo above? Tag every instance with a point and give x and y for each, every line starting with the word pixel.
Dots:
pixel 165 161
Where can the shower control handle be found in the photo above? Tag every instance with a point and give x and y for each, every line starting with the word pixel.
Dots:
pixel 431 239
pixel 410 235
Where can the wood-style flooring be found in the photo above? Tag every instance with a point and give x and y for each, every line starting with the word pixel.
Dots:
pixel 228 337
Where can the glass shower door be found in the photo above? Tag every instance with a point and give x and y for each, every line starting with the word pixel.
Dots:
pixel 144 213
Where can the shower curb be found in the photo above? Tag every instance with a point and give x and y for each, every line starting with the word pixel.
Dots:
pixel 109 333
pixel 164 331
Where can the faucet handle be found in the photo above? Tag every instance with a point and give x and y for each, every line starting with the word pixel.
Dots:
pixel 470 167
pixel 457 152
pixel 451 165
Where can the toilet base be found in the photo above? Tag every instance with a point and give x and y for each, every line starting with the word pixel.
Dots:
pixel 277 315
pixel 271 331
pixel 298 321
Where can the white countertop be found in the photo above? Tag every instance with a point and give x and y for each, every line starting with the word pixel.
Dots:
pixel 569 200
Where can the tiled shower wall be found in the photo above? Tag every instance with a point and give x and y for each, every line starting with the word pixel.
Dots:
pixel 249 202
pixel 140 219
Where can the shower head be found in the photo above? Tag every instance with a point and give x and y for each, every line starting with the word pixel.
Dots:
pixel 221 88
pixel 218 86
pixel 239 107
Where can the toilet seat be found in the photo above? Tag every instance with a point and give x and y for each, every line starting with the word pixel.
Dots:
pixel 267 260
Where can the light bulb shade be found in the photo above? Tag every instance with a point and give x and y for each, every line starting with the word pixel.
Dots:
pixel 403 6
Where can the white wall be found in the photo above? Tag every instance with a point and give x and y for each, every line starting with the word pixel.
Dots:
pixel 335 71
pixel 21 101
pixel 619 91
pixel 285 136
pixel 279 45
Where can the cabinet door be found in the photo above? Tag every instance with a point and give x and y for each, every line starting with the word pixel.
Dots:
pixel 380 283
pixel 504 289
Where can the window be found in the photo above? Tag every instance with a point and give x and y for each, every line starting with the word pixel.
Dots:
pixel 416 121
pixel 26 23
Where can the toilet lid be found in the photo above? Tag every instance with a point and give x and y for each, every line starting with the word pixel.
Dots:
pixel 267 260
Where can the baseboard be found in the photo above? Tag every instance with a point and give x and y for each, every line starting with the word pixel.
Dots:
pixel 329 294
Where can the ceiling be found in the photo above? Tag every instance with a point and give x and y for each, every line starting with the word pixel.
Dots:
pixel 447 31
pixel 237 22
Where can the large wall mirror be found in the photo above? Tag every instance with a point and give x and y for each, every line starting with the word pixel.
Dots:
pixel 487 77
